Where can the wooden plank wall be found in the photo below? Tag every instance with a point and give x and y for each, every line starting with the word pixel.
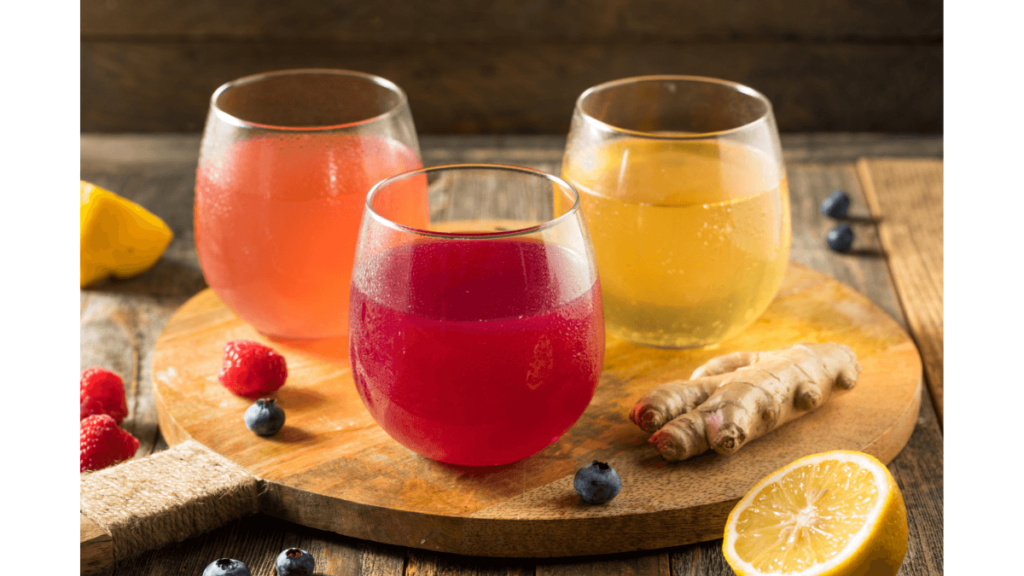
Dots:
pixel 517 66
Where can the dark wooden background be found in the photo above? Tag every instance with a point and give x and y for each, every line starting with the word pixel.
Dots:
pixel 517 66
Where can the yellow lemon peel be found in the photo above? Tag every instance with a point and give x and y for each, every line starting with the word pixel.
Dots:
pixel 119 237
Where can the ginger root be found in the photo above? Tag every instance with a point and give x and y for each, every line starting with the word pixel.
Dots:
pixel 735 398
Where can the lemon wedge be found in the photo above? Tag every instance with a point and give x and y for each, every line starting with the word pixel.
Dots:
pixel 119 237
pixel 835 513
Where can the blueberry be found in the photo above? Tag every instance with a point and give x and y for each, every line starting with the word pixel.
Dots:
pixel 264 417
pixel 597 483
pixel 836 205
pixel 295 562
pixel 227 567
pixel 840 238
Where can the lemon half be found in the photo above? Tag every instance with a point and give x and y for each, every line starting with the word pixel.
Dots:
pixel 835 513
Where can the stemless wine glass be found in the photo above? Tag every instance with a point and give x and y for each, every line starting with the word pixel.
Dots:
pixel 476 333
pixel 286 162
pixel 685 192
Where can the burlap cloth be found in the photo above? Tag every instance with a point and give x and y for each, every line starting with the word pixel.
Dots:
pixel 167 497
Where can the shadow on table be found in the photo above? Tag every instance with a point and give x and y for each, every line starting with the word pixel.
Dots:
pixel 166 278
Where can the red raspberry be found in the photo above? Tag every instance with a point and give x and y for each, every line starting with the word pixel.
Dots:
pixel 90 406
pixel 252 369
pixel 105 387
pixel 103 443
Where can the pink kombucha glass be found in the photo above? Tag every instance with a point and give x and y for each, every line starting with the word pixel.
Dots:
pixel 287 160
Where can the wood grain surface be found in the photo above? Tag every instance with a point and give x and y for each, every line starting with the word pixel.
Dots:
pixel 517 66
pixel 159 172
pixel 97 547
pixel 905 196
pixel 524 88
pixel 333 468
pixel 512 20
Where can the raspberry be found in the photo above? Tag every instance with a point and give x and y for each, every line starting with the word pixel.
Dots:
pixel 103 443
pixel 89 407
pixel 106 388
pixel 252 369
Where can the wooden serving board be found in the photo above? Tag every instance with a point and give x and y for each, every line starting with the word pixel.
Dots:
pixel 333 468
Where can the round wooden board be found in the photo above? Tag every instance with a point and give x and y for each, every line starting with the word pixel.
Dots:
pixel 333 468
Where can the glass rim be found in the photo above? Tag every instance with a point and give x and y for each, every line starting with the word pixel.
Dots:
pixel 225 116
pixel 473 235
pixel 736 86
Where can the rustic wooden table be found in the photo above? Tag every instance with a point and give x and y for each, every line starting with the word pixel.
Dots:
pixel 896 187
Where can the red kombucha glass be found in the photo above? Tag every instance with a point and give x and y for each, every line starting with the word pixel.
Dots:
pixel 477 339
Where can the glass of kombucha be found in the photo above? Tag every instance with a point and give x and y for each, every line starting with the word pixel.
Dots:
pixel 286 161
pixel 685 193
pixel 476 338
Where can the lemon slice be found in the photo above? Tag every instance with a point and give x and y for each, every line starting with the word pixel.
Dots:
pixel 835 513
